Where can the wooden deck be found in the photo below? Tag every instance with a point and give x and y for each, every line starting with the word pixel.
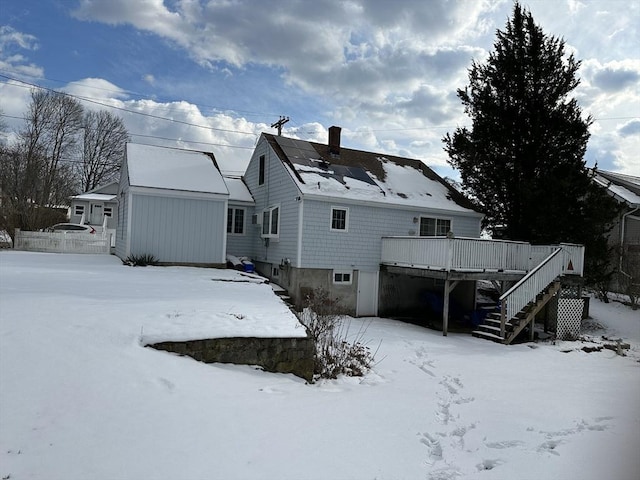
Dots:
pixel 531 267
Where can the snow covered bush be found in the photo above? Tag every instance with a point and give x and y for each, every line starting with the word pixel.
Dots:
pixel 338 350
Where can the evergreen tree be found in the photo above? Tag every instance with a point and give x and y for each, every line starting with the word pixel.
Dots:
pixel 523 158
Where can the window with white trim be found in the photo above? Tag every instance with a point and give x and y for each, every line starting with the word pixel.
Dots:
pixel 108 211
pixel 235 221
pixel 271 222
pixel 342 277
pixel 78 210
pixel 339 219
pixel 434 227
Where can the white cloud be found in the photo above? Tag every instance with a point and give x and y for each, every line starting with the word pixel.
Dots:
pixel 96 89
pixel 386 71
pixel 9 37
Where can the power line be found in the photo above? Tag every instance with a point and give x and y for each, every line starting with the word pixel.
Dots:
pixel 164 138
pixel 144 114
pixel 91 100
pixel 142 96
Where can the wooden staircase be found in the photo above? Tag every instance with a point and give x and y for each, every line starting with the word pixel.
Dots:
pixel 492 330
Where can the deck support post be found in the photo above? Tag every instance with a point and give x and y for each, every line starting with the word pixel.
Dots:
pixel 448 287
pixel 531 332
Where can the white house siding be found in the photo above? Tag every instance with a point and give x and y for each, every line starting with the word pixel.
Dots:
pixel 278 189
pixel 122 230
pixel 360 247
pixel 178 230
pixel 242 245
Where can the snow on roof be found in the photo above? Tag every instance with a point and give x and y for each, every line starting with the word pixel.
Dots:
pixel 358 175
pixel 173 169
pixel 95 196
pixel 619 186
pixel 238 191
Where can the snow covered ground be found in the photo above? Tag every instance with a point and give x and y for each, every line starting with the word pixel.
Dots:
pixel 80 398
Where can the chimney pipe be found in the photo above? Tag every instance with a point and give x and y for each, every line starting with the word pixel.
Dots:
pixel 334 140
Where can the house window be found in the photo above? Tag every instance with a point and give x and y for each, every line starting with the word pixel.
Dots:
pixel 342 277
pixel 434 227
pixel 261 172
pixel 339 219
pixel 271 222
pixel 235 221
pixel 78 210
pixel 108 211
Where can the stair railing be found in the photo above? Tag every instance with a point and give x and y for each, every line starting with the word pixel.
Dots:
pixel 529 286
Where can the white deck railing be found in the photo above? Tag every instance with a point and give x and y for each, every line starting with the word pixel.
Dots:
pixel 475 254
pixel 529 286
pixel 572 255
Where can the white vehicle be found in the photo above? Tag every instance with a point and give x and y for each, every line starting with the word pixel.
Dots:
pixel 71 228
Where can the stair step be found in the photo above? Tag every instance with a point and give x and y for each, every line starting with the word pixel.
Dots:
pixel 489 328
pixel 492 321
pixel 496 323
pixel 487 336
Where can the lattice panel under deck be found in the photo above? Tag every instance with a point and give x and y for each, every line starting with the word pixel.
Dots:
pixel 569 318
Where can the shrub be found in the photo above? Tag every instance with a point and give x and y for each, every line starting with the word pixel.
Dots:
pixel 330 331
pixel 140 260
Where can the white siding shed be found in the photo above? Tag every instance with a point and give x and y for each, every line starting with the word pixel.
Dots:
pixel 173 205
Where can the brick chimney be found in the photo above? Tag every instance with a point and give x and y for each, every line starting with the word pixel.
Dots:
pixel 334 140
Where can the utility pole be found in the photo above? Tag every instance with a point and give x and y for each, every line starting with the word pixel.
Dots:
pixel 279 124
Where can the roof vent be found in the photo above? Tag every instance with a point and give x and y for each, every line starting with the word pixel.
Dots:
pixel 334 140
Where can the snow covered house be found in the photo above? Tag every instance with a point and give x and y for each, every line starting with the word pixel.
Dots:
pixel 322 212
pixel 95 205
pixel 172 205
pixel 625 235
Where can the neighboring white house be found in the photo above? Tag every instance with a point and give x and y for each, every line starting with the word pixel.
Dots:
pixel 172 204
pixel 96 205
pixel 625 235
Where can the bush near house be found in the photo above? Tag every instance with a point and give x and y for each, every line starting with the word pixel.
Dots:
pixel 336 353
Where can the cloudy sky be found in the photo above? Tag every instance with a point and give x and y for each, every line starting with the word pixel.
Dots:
pixel 213 74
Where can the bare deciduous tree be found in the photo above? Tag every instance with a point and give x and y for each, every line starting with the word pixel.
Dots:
pixel 105 137
pixel 36 171
pixel 52 124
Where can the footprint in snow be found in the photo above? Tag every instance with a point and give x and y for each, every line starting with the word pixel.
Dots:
pixel 169 385
pixel 489 464
pixel 550 446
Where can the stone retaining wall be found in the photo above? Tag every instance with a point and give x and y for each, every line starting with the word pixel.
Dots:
pixel 280 355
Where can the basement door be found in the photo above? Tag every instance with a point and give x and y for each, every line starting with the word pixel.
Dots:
pixel 367 301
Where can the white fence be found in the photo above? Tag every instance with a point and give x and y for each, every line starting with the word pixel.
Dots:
pixel 63 242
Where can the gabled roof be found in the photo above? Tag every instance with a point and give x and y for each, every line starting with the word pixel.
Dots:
pixel 625 188
pixel 366 176
pixel 173 169
pixel 238 191
pixel 102 193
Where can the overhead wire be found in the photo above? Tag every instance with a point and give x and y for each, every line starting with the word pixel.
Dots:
pixel 134 112
pixel 142 96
